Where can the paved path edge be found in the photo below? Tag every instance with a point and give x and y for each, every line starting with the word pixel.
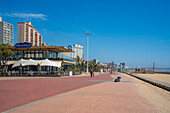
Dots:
pixel 159 84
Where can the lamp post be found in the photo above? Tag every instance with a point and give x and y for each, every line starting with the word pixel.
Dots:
pixel 106 61
pixel 87 51
pixel 153 67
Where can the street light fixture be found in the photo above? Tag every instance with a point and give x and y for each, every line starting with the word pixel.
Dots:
pixel 87 51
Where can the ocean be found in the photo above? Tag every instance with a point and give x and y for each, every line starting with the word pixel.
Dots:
pixel 156 69
pixel 162 69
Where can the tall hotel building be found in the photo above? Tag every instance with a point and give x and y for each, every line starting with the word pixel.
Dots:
pixel 78 51
pixel 26 33
pixel 6 32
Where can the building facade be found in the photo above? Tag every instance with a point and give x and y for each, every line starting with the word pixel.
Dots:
pixel 95 61
pixel 78 51
pixel 26 33
pixel 6 32
pixel 39 53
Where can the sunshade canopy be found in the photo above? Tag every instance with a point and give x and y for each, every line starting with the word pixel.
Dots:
pixel 45 62
pixel 24 62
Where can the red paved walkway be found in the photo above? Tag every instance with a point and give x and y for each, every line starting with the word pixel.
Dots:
pixel 97 77
pixel 107 97
pixel 15 93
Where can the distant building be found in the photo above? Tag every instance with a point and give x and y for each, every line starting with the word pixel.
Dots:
pixel 96 61
pixel 78 52
pixel 122 65
pixel 113 64
pixel 6 32
pixel 26 33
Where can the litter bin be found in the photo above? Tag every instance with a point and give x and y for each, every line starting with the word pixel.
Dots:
pixel 70 73
pixel 118 79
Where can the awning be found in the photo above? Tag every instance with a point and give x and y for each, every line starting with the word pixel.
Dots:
pixel 18 63
pixel 23 62
pixel 68 62
pixel 32 62
pixel 47 62
pixel 10 62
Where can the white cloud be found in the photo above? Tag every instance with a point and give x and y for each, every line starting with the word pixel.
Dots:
pixel 25 15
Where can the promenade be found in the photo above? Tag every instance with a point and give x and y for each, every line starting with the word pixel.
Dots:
pixel 77 94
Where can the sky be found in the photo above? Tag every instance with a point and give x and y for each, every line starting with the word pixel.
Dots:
pixel 136 32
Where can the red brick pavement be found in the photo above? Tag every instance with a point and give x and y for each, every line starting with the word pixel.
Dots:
pixel 102 76
pixel 96 77
pixel 108 97
pixel 15 93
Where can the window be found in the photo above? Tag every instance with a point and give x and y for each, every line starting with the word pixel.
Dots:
pixel 17 55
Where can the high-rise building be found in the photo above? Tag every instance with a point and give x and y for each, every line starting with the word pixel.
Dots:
pixel 26 33
pixel 95 61
pixel 78 51
pixel 6 32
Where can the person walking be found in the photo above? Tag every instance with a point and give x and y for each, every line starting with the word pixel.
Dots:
pixel 91 73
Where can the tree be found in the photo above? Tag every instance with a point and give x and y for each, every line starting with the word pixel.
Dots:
pixel 78 61
pixel 91 65
pixel 109 65
pixel 0 67
pixel 82 65
pixel 73 67
pixel 5 54
pixel 97 66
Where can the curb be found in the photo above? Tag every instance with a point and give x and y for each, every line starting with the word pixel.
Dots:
pixel 163 85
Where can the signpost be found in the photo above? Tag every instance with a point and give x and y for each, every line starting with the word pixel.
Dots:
pixel 23 45
pixel 70 47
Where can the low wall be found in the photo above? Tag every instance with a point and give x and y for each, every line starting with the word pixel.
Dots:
pixel 162 85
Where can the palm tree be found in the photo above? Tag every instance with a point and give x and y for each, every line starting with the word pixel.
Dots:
pixel 82 65
pixel 91 65
pixel 109 65
pixel 97 66
pixel 73 67
pixel 78 61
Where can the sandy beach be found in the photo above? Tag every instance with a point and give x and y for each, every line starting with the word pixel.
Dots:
pixel 159 77
pixel 158 97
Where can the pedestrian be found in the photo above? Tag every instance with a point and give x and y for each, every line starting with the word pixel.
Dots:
pixel 91 72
